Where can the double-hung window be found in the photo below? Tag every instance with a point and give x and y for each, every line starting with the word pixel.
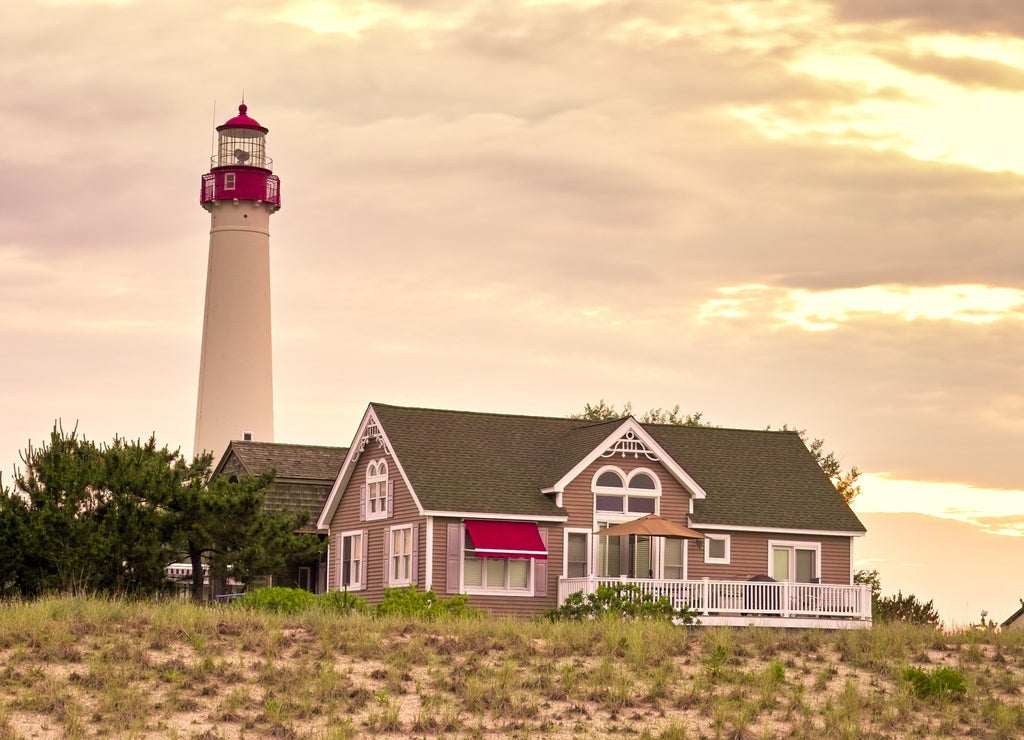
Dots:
pixel 400 558
pixel 377 490
pixel 577 554
pixel 353 557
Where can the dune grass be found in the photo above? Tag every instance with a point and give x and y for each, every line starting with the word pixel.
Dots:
pixel 81 667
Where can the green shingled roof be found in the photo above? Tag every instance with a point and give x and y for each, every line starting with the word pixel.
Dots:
pixel 756 479
pixel 473 462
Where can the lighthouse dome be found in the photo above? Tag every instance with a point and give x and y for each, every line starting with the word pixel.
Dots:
pixel 242 120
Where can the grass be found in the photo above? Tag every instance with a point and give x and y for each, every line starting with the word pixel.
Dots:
pixel 85 668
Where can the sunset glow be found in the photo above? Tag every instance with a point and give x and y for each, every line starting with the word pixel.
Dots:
pixel 784 211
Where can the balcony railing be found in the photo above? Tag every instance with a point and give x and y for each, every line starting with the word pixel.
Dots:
pixel 743 598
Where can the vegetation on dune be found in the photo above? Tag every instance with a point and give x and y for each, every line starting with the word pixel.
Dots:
pixel 93 667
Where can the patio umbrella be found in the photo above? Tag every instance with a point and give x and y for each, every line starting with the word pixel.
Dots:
pixel 652 525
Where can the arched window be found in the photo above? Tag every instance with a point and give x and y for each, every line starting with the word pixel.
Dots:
pixel 377 490
pixel 616 492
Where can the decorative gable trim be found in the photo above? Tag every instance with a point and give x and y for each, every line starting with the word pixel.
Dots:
pixel 630 438
pixel 369 429
pixel 629 444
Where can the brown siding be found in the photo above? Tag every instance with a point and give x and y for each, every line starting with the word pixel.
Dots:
pixel 346 519
pixel 749 556
pixel 515 605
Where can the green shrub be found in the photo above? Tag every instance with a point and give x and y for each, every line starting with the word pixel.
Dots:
pixel 276 599
pixel 408 602
pixel 935 684
pixel 909 608
pixel 341 602
pixel 621 599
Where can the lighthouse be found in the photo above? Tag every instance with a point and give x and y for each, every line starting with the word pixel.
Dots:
pixel 236 394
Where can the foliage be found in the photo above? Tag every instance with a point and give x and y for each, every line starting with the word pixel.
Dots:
pixel 898 608
pixel 408 602
pixel 935 684
pixel 844 481
pixel 625 600
pixel 276 599
pixel 602 411
pixel 341 602
pixel 109 518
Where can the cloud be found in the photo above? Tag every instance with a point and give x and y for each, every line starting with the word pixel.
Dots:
pixel 976 16
pixel 963 71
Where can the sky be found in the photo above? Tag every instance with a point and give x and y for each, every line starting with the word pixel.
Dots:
pixel 802 212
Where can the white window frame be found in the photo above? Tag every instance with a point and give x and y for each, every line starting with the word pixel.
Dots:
pixel 709 558
pixel 229 180
pixel 505 589
pixel 793 546
pixel 377 489
pixel 396 558
pixel 625 491
pixel 589 567
pixel 356 557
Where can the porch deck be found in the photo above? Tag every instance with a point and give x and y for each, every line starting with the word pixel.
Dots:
pixel 743 603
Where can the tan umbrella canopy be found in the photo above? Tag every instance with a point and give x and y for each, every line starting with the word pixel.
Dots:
pixel 653 525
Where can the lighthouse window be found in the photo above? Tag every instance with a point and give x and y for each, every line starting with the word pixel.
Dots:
pixel 229 180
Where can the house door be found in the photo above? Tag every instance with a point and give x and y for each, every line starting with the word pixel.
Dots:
pixel 792 563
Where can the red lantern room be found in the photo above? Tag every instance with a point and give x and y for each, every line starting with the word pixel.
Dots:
pixel 241 169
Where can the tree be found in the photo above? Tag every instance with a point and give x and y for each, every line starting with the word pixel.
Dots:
pixel 223 523
pixel 110 518
pixel 898 608
pixel 844 482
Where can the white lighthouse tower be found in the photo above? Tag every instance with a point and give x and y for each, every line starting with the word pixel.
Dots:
pixel 236 394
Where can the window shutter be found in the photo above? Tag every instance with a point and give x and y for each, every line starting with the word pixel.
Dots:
pixel 540 568
pixel 364 562
pixel 362 503
pixel 387 557
pixel 391 497
pixel 454 571
pixel 414 561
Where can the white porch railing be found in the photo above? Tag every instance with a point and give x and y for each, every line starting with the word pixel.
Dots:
pixel 743 598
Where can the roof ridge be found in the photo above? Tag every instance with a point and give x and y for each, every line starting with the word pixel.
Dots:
pixel 489 414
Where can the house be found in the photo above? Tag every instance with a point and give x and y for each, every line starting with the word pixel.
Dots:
pixel 303 478
pixel 1014 621
pixel 508 510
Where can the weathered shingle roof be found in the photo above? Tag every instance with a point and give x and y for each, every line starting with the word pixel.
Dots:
pixel 463 461
pixel 308 462
pixel 303 478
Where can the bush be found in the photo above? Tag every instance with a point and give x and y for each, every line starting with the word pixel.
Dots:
pixel 408 602
pixel 341 602
pixel 909 609
pixel 937 684
pixel 276 599
pixel 621 599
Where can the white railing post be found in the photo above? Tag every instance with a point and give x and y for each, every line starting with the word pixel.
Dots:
pixel 785 598
pixel 705 594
